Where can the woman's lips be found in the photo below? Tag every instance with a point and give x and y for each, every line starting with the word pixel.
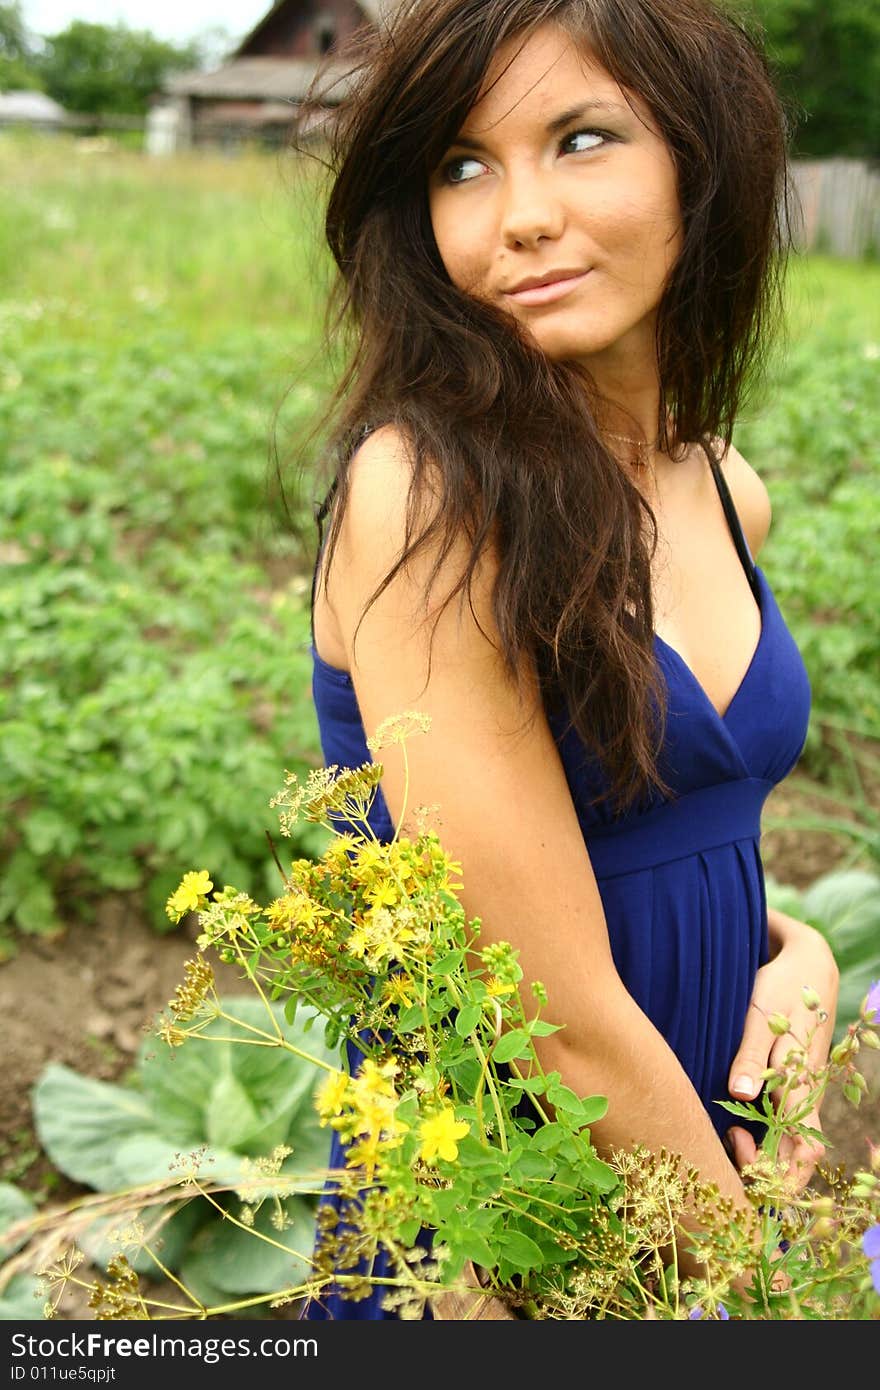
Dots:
pixel 545 294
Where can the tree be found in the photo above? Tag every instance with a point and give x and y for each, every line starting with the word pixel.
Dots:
pixel 827 57
pixel 17 69
pixel 102 69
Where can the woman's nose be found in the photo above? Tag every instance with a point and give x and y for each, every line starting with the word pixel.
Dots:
pixel 531 211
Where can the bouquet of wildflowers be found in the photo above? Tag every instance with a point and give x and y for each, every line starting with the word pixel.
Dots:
pixel 453 1129
pixel 468 1167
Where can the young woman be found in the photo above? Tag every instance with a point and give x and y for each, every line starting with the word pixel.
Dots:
pixel 557 224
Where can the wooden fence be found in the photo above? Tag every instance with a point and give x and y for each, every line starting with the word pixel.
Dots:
pixel 837 207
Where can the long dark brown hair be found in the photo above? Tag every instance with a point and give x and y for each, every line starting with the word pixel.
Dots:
pixel 513 435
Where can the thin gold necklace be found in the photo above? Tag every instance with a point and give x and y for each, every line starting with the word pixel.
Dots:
pixel 644 450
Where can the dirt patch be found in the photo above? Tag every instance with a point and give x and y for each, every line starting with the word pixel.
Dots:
pixel 90 997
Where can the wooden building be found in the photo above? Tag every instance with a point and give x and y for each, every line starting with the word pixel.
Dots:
pixel 259 89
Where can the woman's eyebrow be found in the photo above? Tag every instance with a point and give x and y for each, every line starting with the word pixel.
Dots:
pixel 575 113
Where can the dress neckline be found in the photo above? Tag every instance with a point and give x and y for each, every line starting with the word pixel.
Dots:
pixel 721 716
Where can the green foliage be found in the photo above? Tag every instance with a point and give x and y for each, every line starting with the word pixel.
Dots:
pixel 109 69
pixel 154 679
pixel 15 41
pixel 827 56
pixel 844 906
pixel 212 1112
pixel 18 1292
pixel 17 53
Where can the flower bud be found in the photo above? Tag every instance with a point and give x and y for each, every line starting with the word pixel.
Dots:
pixel 811 998
pixel 867 1180
pixel 871 1039
pixel 779 1025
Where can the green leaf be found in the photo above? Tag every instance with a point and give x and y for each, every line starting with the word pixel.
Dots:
pixel 410 1019
pixel 81 1123
pixel 47 832
pixel 591 1109
pixel 22 1300
pixel 445 965
pixel 537 1028
pixel 510 1045
pixel 474 1246
pixel 564 1099
pixel 237 1261
pixel 15 1206
pixel 533 1165
pixel 547 1138
pixel 519 1250
pixel 230 1116
pixel 467 1019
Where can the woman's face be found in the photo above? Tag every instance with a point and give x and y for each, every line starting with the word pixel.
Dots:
pixel 558 202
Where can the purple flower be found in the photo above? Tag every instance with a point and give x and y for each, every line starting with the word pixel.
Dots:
pixel 872 1003
pixel 723 1315
pixel 871 1247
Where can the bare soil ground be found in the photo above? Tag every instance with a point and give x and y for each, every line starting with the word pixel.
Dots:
pixel 88 998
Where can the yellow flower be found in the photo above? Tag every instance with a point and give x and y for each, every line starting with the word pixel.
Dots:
pixel 332 1095
pixel 496 989
pixel 190 895
pixel 439 1134
pixel 374 1081
pixel 399 989
pixel 382 895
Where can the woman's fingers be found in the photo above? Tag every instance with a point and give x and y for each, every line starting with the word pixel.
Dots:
pixel 744 1081
pixel 741 1146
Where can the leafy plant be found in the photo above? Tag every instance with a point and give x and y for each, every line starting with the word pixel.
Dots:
pixel 462 1149
pixel 234 1106
pixel 19 1292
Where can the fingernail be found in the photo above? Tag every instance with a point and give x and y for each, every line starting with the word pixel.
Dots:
pixel 744 1085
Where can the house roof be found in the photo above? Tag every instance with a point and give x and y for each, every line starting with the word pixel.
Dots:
pixel 30 106
pixel 373 10
pixel 261 79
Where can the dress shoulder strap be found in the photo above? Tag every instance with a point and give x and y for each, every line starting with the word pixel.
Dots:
pixel 321 511
pixel 734 524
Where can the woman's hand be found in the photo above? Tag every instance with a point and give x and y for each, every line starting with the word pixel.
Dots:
pixel 800 957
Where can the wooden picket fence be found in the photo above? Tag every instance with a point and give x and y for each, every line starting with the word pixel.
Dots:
pixel 836 207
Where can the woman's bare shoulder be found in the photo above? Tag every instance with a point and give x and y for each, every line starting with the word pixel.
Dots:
pixel 380 476
pixel 750 497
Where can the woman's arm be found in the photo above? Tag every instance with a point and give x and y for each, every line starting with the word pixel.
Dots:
pixel 506 814
pixel 799 955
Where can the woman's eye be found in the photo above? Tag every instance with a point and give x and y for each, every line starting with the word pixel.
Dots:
pixel 462 170
pixel 581 140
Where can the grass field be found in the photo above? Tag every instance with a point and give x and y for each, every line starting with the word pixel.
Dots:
pixel 154 317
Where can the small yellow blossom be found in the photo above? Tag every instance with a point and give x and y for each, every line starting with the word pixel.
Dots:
pixel 496 989
pixel 190 895
pixel 382 894
pixel 440 1134
pixel 332 1095
pixel 374 1080
pixel 399 989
